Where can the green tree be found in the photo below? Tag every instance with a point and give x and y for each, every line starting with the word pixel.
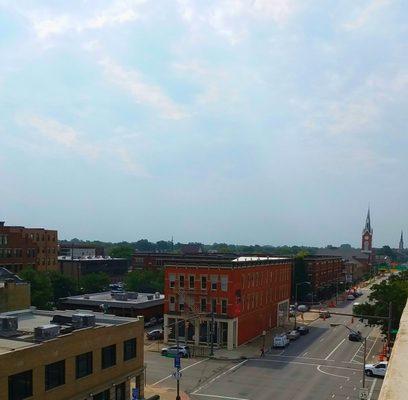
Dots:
pixel 62 285
pixel 122 251
pixel 145 281
pixel 41 288
pixel 94 282
pixel 394 290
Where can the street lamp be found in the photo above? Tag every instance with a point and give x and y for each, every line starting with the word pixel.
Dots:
pixel 296 286
pixel 365 346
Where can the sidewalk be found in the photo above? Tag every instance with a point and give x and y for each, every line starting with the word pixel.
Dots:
pixel 164 393
pixel 252 348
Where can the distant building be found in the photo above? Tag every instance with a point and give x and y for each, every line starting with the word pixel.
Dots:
pixel 401 242
pixel 22 247
pixel 80 250
pixel 14 292
pixel 126 304
pixel 192 248
pixel 367 236
pixel 245 296
pixel 115 268
pixel 58 355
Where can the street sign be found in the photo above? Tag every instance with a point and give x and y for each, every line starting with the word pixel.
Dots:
pixel 135 394
pixel 177 362
pixel 177 375
pixel 363 394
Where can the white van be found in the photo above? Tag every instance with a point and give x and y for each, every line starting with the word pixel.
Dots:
pixel 280 341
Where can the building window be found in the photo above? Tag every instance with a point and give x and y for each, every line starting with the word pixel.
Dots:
pixel 108 356
pixel 191 281
pixel 83 365
pixel 172 279
pixel 172 306
pixel 223 306
pixel 214 280
pixel 203 304
pixel 203 282
pixel 54 375
pixel 181 280
pixel 120 391
pixel 105 395
pixel 129 349
pixel 20 386
pixel 224 283
pixel 214 305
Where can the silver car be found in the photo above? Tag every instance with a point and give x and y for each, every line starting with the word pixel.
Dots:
pixel 181 350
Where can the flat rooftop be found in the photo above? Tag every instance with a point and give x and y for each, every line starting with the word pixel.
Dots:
pixel 143 300
pixel 30 319
pixel 88 258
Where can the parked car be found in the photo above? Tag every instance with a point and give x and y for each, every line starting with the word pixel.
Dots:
pixel 355 337
pixel 280 341
pixel 350 297
pixel 303 308
pixel 324 314
pixel 376 369
pixel 181 350
pixel 303 330
pixel 155 334
pixel 151 322
pixel 293 335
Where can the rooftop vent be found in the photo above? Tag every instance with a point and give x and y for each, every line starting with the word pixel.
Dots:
pixel 149 297
pixel 83 320
pixel 46 332
pixel 120 296
pixel 8 325
pixel 157 295
pixel 133 295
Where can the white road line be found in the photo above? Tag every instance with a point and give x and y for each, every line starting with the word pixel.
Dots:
pixel 169 376
pixel 219 376
pixel 328 373
pixel 359 348
pixel 219 397
pixel 335 349
pixel 321 340
pixel 372 388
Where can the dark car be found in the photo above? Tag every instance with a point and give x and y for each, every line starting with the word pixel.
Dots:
pixel 303 330
pixel 155 334
pixel 355 337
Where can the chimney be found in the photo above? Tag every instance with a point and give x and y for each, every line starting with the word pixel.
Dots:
pixel 2 223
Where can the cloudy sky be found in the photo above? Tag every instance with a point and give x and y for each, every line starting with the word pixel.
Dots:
pixel 244 121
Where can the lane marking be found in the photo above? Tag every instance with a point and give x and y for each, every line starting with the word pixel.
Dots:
pixel 372 388
pixel 219 376
pixel 335 349
pixel 328 373
pixel 219 397
pixel 183 369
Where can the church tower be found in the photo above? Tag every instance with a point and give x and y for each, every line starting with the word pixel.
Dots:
pixel 367 236
pixel 401 243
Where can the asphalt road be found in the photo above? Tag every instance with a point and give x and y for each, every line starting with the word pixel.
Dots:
pixel 321 365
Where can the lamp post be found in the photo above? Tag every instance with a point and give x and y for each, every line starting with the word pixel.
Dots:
pixel 365 346
pixel 296 286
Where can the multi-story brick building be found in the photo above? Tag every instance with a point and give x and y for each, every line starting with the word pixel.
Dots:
pixel 325 274
pixel 244 296
pixel 28 247
pixel 63 355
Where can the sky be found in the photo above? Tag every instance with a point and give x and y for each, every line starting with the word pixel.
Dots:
pixel 239 121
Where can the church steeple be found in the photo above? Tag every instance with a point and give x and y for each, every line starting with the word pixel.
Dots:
pixel 367 235
pixel 401 242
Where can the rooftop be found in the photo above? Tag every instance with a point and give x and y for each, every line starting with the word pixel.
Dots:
pixel 88 258
pixel 30 319
pixel 117 299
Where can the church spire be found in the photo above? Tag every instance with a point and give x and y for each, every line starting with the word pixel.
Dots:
pixel 367 227
pixel 401 243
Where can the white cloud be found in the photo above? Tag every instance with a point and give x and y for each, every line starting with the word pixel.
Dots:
pixel 143 93
pixel 365 14
pixel 129 163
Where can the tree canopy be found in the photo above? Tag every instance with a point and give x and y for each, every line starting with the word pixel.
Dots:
pixel 94 282
pixel 122 251
pixel 145 281
pixel 41 288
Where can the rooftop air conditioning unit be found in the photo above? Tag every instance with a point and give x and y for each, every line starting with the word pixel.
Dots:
pixel 8 324
pixel 83 320
pixel 132 295
pixel 157 295
pixel 120 296
pixel 149 297
pixel 46 332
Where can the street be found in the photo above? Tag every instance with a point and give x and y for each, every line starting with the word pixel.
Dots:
pixel 321 365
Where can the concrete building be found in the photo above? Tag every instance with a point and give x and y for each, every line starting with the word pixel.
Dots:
pixel 69 356
pixel 115 268
pixel 244 296
pixel 126 304
pixel 79 250
pixel 14 292
pixel 22 247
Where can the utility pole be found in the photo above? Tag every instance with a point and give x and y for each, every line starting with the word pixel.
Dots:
pixel 178 365
pixel 212 335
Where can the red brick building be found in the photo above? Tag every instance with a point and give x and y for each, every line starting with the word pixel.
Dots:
pixel 245 295
pixel 28 247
